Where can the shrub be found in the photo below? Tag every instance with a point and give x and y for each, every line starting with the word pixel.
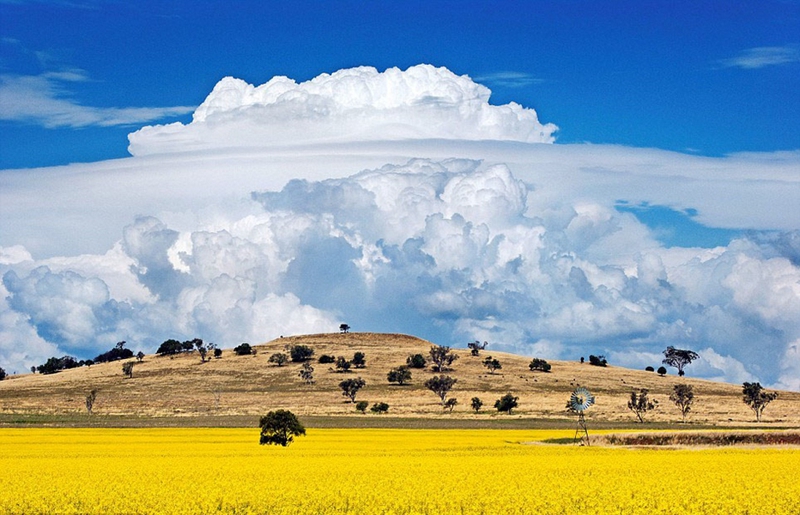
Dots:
pixel 539 364
pixel 362 406
pixel 506 403
pixel 279 358
pixel 649 369
pixel 477 404
pixel 379 407
pixel 416 361
pixel 243 349
pixel 359 360
pixel 217 352
pixel 280 427
pixel 342 364
pixel 598 361
pixel 399 375
pixel 662 371
pixel 301 353
pixel 2 374
pixel 327 358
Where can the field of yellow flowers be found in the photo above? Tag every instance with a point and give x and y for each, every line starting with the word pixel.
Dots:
pixel 174 471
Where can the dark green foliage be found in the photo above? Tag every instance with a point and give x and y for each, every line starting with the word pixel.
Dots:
pixel 342 364
pixel 279 358
pixel 757 398
pixel 217 352
pixel 359 360
pixel 661 371
pixel 53 365
pixel 117 353
pixel 362 406
pixel 379 407
pixel 678 358
pixel 300 353
pixel 127 368
pixel 327 358
pixel 2 374
pixel 442 357
pixel 640 404
pixel 649 369
pixel 506 403
pixel 477 404
pixel 140 356
pixel 476 347
pixel 492 364
pixel 539 364
pixel 683 397
pixel 170 347
pixel 416 361
pixel 280 427
pixel 344 328
pixel 598 361
pixel 450 404
pixel 350 387
pixel 441 386
pixel 243 350
pixel 201 349
pixel 399 375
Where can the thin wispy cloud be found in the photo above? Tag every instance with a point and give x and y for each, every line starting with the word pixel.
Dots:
pixel 509 79
pixel 763 56
pixel 46 100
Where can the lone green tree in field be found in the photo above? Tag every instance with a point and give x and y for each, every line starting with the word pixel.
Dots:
pixel 492 364
pixel 350 387
pixel 640 404
pixel 280 427
pixel 678 358
pixel 441 386
pixel 754 395
pixel 279 358
pixel 539 364
pixel 506 403
pixel 683 397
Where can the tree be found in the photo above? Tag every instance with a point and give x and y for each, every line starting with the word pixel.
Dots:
pixel 243 349
pixel 33 369
pixel 139 356
pixel 649 369
pixel 450 404
pixel 201 348
pixel 416 361
pixel 506 403
pixel 598 361
pixel 492 364
pixel 300 353
pixel 342 364
pixel 169 347
pixel 279 358
pixel 54 364
pixel 350 387
pixel 379 407
pixel 359 360
pixel 641 404
pixel 477 404
pixel 362 406
pixel 118 352
pixel 678 358
pixel 539 364
pixel 280 427
pixel 2 374
pixel 217 352
pixel 441 386
pixel 327 358
pixel 344 328
pixel 442 357
pixel 127 368
pixel 661 371
pixel 683 397
pixel 757 398
pixel 90 398
pixel 307 373
pixel 476 347
pixel 399 375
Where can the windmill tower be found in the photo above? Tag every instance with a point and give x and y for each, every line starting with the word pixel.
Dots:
pixel 580 400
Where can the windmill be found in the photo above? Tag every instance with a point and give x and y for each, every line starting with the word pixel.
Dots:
pixel 579 402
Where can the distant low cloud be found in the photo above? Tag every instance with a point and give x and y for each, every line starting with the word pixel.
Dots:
pixel 509 79
pixel 761 57
pixel 45 100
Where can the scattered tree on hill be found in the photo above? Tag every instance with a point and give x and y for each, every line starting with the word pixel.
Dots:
pixel 649 369
pixel 379 407
pixel 477 404
pixel 661 371
pixel 300 353
pixel 243 349
pixel 492 364
pixel 201 348
pixel 118 352
pixel 53 364
pixel 2 374
pixel 416 361
pixel 279 358
pixel 344 328
pixel 327 358
pixel 678 358
pixel 640 404
pixel 342 364
pixel 683 397
pixel 169 347
pixel 350 387
pixel 757 398
pixel 217 352
pixel 539 364
pixel 598 361
pixel 441 386
pixel 279 428
pixel 127 368
pixel 450 404
pixel 476 347
pixel 90 398
pixel 359 360
pixel 442 357
pixel 362 406
pixel 307 373
pixel 399 375
pixel 506 403
pixel 140 356
pixel 33 369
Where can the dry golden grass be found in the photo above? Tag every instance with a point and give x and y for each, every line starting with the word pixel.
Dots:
pixel 247 386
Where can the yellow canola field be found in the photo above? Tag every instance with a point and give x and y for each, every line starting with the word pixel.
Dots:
pixel 172 471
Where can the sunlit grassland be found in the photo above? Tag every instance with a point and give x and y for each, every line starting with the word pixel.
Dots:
pixel 195 470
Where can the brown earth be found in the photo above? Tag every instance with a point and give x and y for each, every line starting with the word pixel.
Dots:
pixel 236 389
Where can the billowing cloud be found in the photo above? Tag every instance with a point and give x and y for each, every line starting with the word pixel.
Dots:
pixel 357 104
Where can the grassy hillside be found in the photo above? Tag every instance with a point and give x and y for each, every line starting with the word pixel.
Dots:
pixel 182 386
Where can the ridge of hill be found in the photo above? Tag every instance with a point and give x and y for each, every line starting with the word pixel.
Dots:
pixel 182 386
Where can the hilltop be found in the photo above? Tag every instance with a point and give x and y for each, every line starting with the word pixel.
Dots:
pixel 248 386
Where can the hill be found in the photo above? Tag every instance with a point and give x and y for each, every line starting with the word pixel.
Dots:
pixel 236 386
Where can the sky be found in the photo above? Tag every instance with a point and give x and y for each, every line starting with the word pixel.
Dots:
pixel 557 178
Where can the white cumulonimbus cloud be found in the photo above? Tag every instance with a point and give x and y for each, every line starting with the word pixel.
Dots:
pixel 514 243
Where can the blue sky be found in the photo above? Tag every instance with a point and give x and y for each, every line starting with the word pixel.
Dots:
pixel 710 78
